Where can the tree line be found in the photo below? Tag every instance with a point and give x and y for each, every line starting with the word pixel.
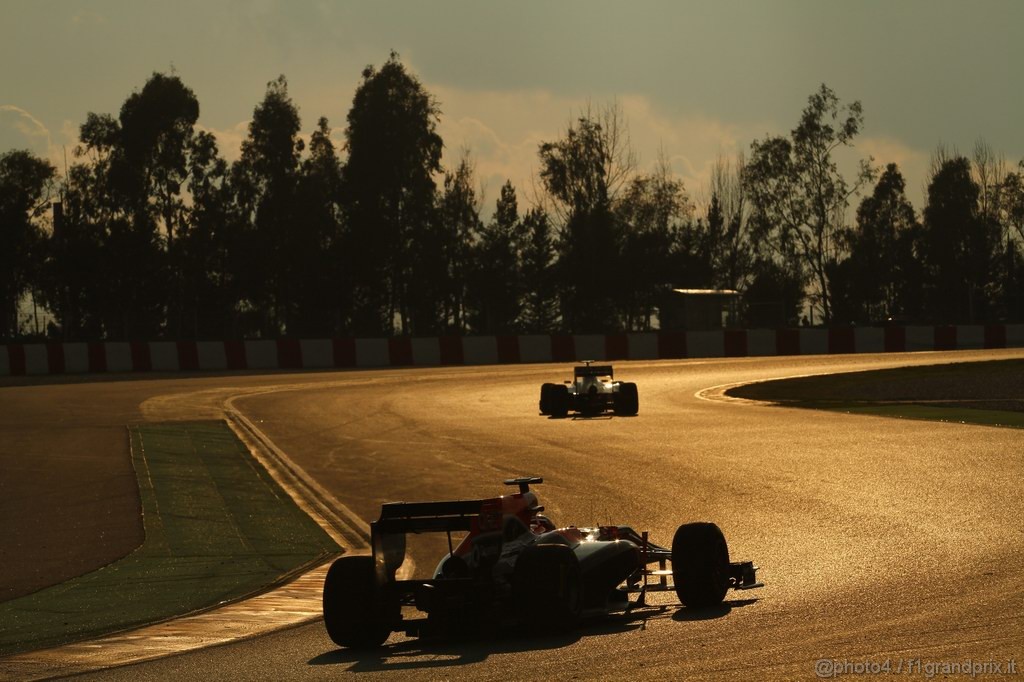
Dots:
pixel 152 233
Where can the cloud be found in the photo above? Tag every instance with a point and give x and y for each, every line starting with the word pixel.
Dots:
pixel 88 18
pixel 692 144
pixel 503 130
pixel 21 130
pixel 913 163
pixel 229 140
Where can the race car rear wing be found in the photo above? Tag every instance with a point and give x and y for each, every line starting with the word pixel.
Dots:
pixel 427 517
pixel 397 519
pixel 593 371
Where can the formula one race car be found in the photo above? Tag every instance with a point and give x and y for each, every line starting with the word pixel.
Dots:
pixel 514 568
pixel 593 389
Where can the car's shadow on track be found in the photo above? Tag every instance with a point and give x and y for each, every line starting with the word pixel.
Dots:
pixel 601 416
pixel 712 613
pixel 419 654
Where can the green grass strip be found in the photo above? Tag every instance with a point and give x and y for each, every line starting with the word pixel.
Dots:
pixel 217 528
pixel 927 412
pixel 986 393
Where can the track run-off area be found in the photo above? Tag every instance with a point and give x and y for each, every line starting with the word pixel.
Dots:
pixel 880 540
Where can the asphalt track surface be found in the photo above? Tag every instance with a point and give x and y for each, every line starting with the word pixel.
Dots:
pixel 879 539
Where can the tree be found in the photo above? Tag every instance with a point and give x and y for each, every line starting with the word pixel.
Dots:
pixel 26 186
pixel 393 152
pixel 958 244
pixel 540 302
pixel 589 166
pixel 796 187
pixel 774 296
pixel 76 285
pixel 989 173
pixel 442 254
pixel 717 246
pixel 1012 207
pixel 210 229
pixel 318 283
pixel 689 254
pixel 111 256
pixel 149 169
pixel 881 250
pixel 1013 200
pixel 151 160
pixel 265 180
pixel 114 266
pixel 731 252
pixel 651 211
pixel 996 208
pixel 582 173
pixel 497 284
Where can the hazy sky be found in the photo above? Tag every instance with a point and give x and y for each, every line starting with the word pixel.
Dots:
pixel 695 79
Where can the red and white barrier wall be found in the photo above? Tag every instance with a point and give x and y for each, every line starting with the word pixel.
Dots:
pixel 168 356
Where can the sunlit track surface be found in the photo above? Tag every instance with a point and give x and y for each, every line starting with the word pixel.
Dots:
pixel 878 539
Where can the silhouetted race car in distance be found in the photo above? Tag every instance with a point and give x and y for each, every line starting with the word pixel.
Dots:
pixel 514 568
pixel 593 390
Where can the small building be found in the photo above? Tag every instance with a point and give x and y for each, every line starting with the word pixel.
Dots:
pixel 699 309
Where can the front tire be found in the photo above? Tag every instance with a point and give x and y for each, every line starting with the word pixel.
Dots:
pixel 548 587
pixel 700 565
pixel 560 401
pixel 356 610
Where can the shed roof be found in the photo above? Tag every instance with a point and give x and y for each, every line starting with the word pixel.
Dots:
pixel 707 292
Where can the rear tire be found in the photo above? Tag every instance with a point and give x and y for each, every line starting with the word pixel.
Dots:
pixel 627 400
pixel 700 565
pixel 546 398
pixel 547 587
pixel 356 610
